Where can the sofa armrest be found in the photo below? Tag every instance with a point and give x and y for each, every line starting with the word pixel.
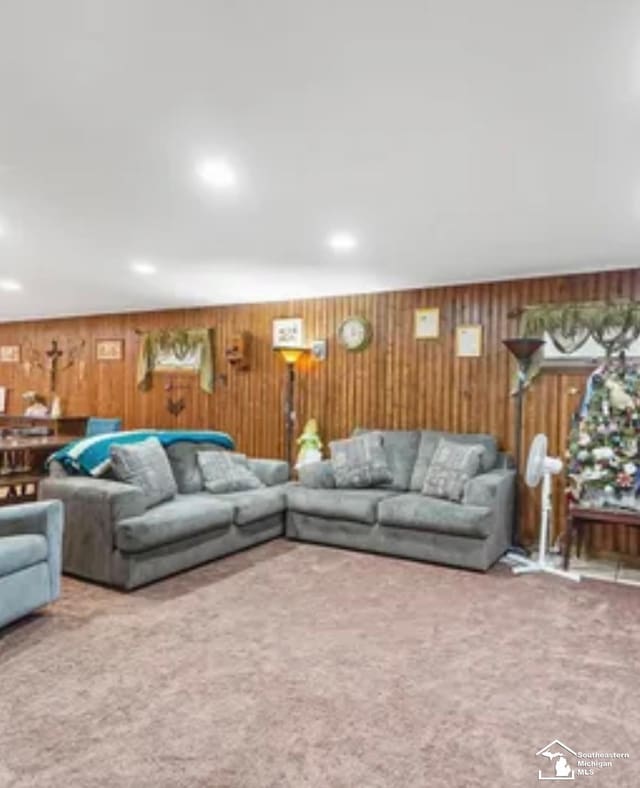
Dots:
pixel 114 500
pixel 92 508
pixel 45 519
pixel 490 489
pixel 270 472
pixel 318 475
pixel 504 462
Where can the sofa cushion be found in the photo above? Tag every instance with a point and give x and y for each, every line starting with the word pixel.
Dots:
pixel 429 442
pixel 360 462
pixel 180 518
pixel 270 472
pixel 226 472
pixel 358 505
pixel 19 552
pixel 401 449
pixel 452 466
pixel 146 466
pixel 416 511
pixel 317 474
pixel 251 505
pixel 183 457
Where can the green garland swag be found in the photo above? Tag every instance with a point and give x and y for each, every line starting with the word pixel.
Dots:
pixel 180 342
pixel 614 326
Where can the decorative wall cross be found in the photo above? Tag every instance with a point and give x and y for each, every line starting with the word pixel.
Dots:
pixel 54 354
pixel 50 359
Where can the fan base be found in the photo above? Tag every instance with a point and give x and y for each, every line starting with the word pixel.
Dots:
pixel 526 566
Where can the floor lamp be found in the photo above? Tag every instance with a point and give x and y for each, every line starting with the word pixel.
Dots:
pixel 290 356
pixel 523 349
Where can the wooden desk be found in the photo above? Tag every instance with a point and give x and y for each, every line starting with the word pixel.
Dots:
pixel 29 455
pixel 581 518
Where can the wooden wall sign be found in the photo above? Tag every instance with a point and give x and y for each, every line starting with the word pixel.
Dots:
pixel 109 349
pixel 237 351
pixel 10 354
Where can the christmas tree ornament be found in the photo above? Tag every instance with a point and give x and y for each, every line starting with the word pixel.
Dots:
pixel 620 399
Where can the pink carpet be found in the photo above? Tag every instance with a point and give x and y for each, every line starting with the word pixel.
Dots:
pixel 294 665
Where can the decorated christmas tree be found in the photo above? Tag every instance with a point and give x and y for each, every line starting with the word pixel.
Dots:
pixel 603 459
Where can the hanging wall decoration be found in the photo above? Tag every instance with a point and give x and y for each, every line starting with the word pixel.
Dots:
pixel 109 349
pixel 55 360
pixel 9 354
pixel 175 405
pixel 288 332
pixel 427 323
pixel 238 349
pixel 318 350
pixel 177 351
pixel 581 335
pixel 355 333
pixel 469 341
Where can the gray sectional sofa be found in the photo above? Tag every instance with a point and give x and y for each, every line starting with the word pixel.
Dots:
pixel 112 538
pixel 398 519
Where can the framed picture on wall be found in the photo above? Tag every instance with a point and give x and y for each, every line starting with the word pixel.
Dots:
pixel 10 354
pixel 469 341
pixel 109 349
pixel 319 349
pixel 288 332
pixel 427 323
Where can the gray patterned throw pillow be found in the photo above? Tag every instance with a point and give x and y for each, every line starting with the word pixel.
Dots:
pixel 224 472
pixel 145 465
pixel 452 466
pixel 360 461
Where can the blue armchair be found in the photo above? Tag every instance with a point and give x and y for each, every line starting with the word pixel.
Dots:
pixel 30 557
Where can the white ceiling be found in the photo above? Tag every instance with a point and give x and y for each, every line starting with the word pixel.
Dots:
pixel 459 140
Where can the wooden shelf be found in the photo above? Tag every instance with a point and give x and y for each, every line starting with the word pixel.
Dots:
pixel 65 425
pixel 20 479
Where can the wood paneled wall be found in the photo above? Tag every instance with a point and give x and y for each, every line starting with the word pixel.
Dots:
pixel 397 382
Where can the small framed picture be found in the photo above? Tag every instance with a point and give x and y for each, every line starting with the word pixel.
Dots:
pixel 9 354
pixel 288 332
pixel 109 349
pixel 319 349
pixel 469 341
pixel 427 323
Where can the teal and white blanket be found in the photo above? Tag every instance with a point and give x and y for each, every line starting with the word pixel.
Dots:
pixel 90 456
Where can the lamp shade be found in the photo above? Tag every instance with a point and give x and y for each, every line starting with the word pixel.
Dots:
pixel 290 354
pixel 523 348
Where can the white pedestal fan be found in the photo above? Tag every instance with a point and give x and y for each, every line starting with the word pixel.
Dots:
pixel 540 468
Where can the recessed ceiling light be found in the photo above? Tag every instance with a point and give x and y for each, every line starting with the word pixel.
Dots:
pixel 217 173
pixel 10 285
pixel 342 242
pixel 143 267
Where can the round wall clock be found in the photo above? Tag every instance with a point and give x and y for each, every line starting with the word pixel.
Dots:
pixel 355 333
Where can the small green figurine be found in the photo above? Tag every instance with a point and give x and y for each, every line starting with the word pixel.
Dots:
pixel 310 444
